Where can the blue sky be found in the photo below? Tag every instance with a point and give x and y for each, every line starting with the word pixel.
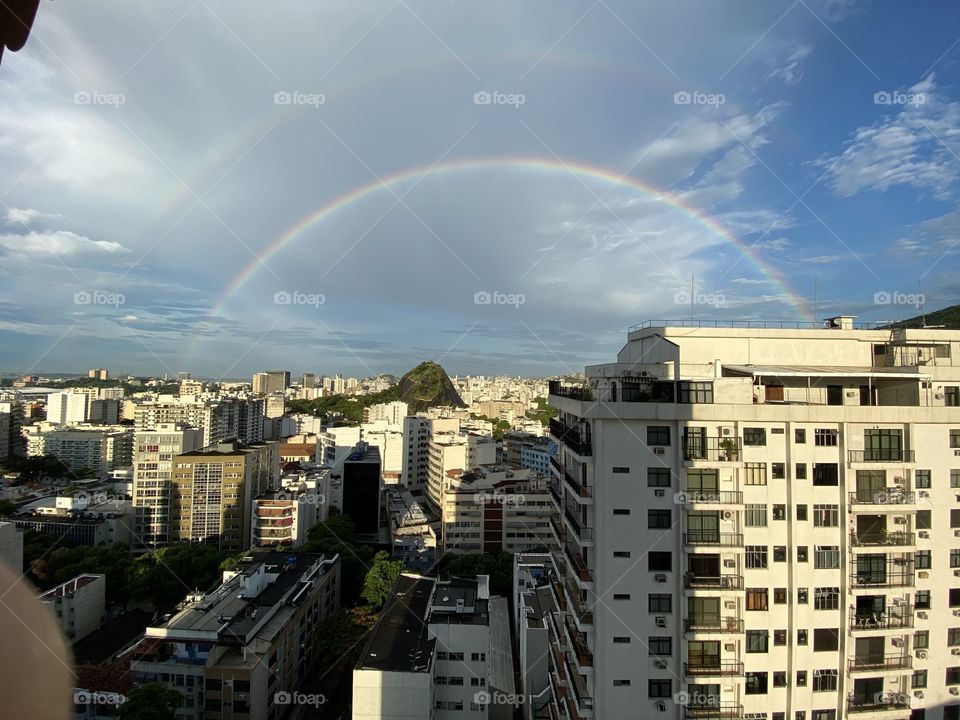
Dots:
pixel 152 154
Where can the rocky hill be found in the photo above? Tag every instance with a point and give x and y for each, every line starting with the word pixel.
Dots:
pixel 427 385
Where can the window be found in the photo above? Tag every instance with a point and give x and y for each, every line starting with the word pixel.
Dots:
pixel 826 598
pixel 801 639
pixel 955 558
pixel 660 688
pixel 757 641
pixel 954 597
pixel 955 478
pixel 921 479
pixel 779 596
pixel 621 511
pixel 623 596
pixel 824 680
pixel 779 512
pixel 660 562
pixel 951 395
pixel 953 637
pixel 923 520
pixel 755 474
pixel 621 639
pixel 921 640
pixel 826 557
pixel 621 683
pixel 801 678
pixel 621 553
pixel 826 515
pixel 919 679
pixel 800 436
pixel 658 477
pixel 953 676
pixel 780 679
pixel 660 645
pixel 801 553
pixel 660 603
pixel 658 519
pixel 921 560
pixel 694 392
pixel 803 596
pixel 658 435
pixel 779 637
pixel 826 640
pixel 779 553
pixel 955 439
pixel 778 470
pixel 954 515
pixel 755 515
pixel 824 715
pixel 755 557
pixel 800 471
pixel 921 600
pixel 801 512
pixel 754 436
pixel 826 474
pixel 756 598
pixel 825 437
pixel 756 683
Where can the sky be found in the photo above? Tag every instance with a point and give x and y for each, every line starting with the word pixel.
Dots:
pixel 501 187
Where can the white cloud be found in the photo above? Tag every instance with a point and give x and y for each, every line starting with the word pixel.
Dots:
pixel 776 244
pixel 60 243
pixel 25 216
pixel 790 72
pixel 749 281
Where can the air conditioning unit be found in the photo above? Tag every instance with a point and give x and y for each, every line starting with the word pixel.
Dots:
pixel 921 654
pixel 726 431
pixel 923 534
pixel 729 563
pixel 661 706
pixel 899 521
pixel 955 651
pixel 661 621
pixel 923 574
pixel 658 450
pixel 661 578
pixel 957 573
pixel 730 647
pixel 957 453
pixel 897 642
pixel 659 493
pixel 957 613
pixel 922 615
pixel 730 604
pixel 956 533
pixel 954 691
pixel 918 693
pixel 924 493
pixel 661 664
pixel 727 514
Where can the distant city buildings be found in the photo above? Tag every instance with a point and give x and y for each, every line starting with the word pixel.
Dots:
pixel 98 374
pixel 271 381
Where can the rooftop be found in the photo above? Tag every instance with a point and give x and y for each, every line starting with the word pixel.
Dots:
pixel 399 641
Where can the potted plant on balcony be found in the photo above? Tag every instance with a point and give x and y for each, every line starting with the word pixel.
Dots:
pixel 729 447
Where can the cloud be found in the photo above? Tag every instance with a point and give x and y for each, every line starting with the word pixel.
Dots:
pixel 823 259
pixel 750 281
pixel 26 216
pixel 790 72
pixel 60 242
pixel 908 147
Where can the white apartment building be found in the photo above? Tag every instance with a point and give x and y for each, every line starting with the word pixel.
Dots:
pixel 67 408
pixel 285 516
pixel 336 444
pixel 221 419
pixel 100 449
pixel 449 451
pixel 493 509
pixel 417 431
pixel 535 610
pixel 392 412
pixel 389 439
pixel 78 605
pixel 758 521
pixel 153 453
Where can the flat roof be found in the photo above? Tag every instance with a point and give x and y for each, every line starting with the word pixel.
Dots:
pixel 400 642
pixel 500 658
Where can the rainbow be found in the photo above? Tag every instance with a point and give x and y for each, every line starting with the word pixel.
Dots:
pixel 531 164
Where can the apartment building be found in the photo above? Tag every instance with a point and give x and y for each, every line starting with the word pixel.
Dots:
pixel 221 419
pixel 11 423
pixel 78 605
pixel 285 516
pixel 68 408
pixel 271 381
pixel 758 520
pixel 237 651
pixel 417 431
pixel 493 509
pixel 455 451
pixel 100 449
pixel 392 413
pixel 153 457
pixel 212 491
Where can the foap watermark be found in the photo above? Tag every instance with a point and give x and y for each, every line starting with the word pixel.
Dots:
pixel 305 498
pixel 296 97
pixel 484 297
pixel 284 297
pixel 89 697
pixel 896 97
pixel 495 97
pixel 97 498
pixel 98 297
pixel 497 498
pixel 696 699
pixel 695 97
pixel 497 697
pixel 685 297
pixel 96 97
pixel 298 698
pixel 898 298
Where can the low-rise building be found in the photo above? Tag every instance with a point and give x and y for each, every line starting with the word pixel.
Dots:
pixel 78 604
pixel 412 530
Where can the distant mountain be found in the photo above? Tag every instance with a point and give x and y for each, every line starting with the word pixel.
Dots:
pixel 949 317
pixel 426 386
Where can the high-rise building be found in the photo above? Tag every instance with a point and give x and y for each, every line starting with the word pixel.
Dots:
pixel 455 451
pixel 68 408
pixel 221 419
pixel 392 413
pixel 153 457
pixel 12 442
pixel 245 648
pixel 78 605
pixel 99 449
pixel 98 374
pixel 767 511
pixel 271 381
pixel 212 491
pixel 309 381
pixel 104 412
pixel 361 488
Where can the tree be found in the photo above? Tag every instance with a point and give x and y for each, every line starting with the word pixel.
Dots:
pixel 335 536
pixel 380 578
pixel 168 574
pixel 499 567
pixel 153 701
pixel 7 508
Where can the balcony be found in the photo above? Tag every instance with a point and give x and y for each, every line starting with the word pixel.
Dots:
pixel 871 664
pixel 718 582
pixel 571 437
pixel 729 624
pixel 717 669
pixel 579 567
pixel 882 539
pixel 581 654
pixel 880 455
pixel 574 392
pixel 880 703
pixel 554 489
pixel 713 710
pixel 555 463
pixel 579 489
pixel 558 530
pixel 712 539
pixel 891 619
pixel 892 499
pixel 711 449
pixel 583 534
pixel 558 597
pixel 710 497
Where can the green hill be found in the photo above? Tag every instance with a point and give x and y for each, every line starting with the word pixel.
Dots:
pixel 949 317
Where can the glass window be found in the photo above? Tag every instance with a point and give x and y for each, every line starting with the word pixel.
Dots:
pixel 658 477
pixel 826 557
pixel 756 683
pixel 658 435
pixel 757 641
pixel 826 474
pixel 755 515
pixel 660 602
pixel 826 639
pixel 756 598
pixel 825 680
pixel 800 436
pixel 922 479
pixel 801 512
pixel 778 470
pixel 825 437
pixel 659 519
pixel 826 598
pixel 754 436
pixel 756 556
pixel 755 474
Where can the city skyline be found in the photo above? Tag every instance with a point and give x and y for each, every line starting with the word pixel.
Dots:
pixel 199 188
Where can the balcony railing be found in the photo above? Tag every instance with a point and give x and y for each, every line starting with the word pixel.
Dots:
pixel 579 607
pixel 886 496
pixel 574 392
pixel 882 580
pixel 584 533
pixel 891 619
pixel 578 565
pixel 556 464
pixel 555 492
pixel 571 437
pixel 729 624
pixel 706 582
pixel 725 667
pixel 710 497
pixel 580 651
pixel 877 664
pixel 558 528
pixel 713 449
pixel 578 487
pixel 880 455
pixel 709 538
pixel 713 710
pixel 878 702
pixel 882 539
